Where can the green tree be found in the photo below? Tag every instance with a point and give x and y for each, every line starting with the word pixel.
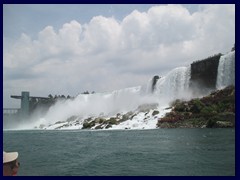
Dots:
pixel 50 96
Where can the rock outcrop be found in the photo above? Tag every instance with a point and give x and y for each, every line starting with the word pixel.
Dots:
pixel 154 82
pixel 204 74
pixel 216 110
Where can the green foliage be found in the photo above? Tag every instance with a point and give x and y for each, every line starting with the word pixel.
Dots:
pixel 221 107
pixel 179 107
pixel 208 111
pixel 197 106
pixel 50 96
pixel 112 121
pixel 211 123
pixel 214 110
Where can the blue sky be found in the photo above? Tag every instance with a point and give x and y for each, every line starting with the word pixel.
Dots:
pixel 68 49
pixel 32 18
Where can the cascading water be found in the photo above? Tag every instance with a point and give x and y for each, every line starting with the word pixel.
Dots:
pixel 174 85
pixel 95 105
pixel 148 89
pixel 170 87
pixel 226 70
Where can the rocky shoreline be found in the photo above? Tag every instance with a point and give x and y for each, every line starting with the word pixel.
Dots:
pixel 216 110
pixel 145 112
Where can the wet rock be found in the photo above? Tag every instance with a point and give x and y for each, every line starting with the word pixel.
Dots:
pixel 224 124
pixel 155 113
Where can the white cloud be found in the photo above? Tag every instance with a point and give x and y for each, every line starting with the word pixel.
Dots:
pixel 106 54
pixel 101 35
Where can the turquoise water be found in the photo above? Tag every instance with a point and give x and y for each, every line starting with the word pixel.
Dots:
pixel 160 152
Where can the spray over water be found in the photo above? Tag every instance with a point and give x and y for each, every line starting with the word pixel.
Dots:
pixel 175 85
pixel 172 86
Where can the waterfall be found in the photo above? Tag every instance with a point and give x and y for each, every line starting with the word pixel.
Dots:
pixel 174 85
pixel 149 88
pixel 226 70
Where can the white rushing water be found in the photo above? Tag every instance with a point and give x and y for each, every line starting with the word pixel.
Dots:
pixel 226 70
pixel 175 85
pixel 106 105
pixel 94 105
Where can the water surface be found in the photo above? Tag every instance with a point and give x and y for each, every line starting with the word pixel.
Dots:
pixel 159 152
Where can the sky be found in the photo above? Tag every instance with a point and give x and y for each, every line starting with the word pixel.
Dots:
pixel 67 49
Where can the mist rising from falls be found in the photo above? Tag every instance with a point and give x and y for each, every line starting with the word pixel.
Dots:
pixel 226 70
pixel 175 85
pixel 95 105
pixel 172 86
pixel 161 91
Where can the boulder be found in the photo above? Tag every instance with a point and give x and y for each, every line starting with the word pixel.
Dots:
pixel 223 124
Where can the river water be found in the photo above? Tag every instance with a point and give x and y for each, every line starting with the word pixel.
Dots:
pixel 159 152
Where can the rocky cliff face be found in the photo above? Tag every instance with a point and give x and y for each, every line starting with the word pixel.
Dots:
pixel 204 74
pixel 154 82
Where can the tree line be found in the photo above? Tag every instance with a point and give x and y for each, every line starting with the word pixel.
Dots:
pixel 50 96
